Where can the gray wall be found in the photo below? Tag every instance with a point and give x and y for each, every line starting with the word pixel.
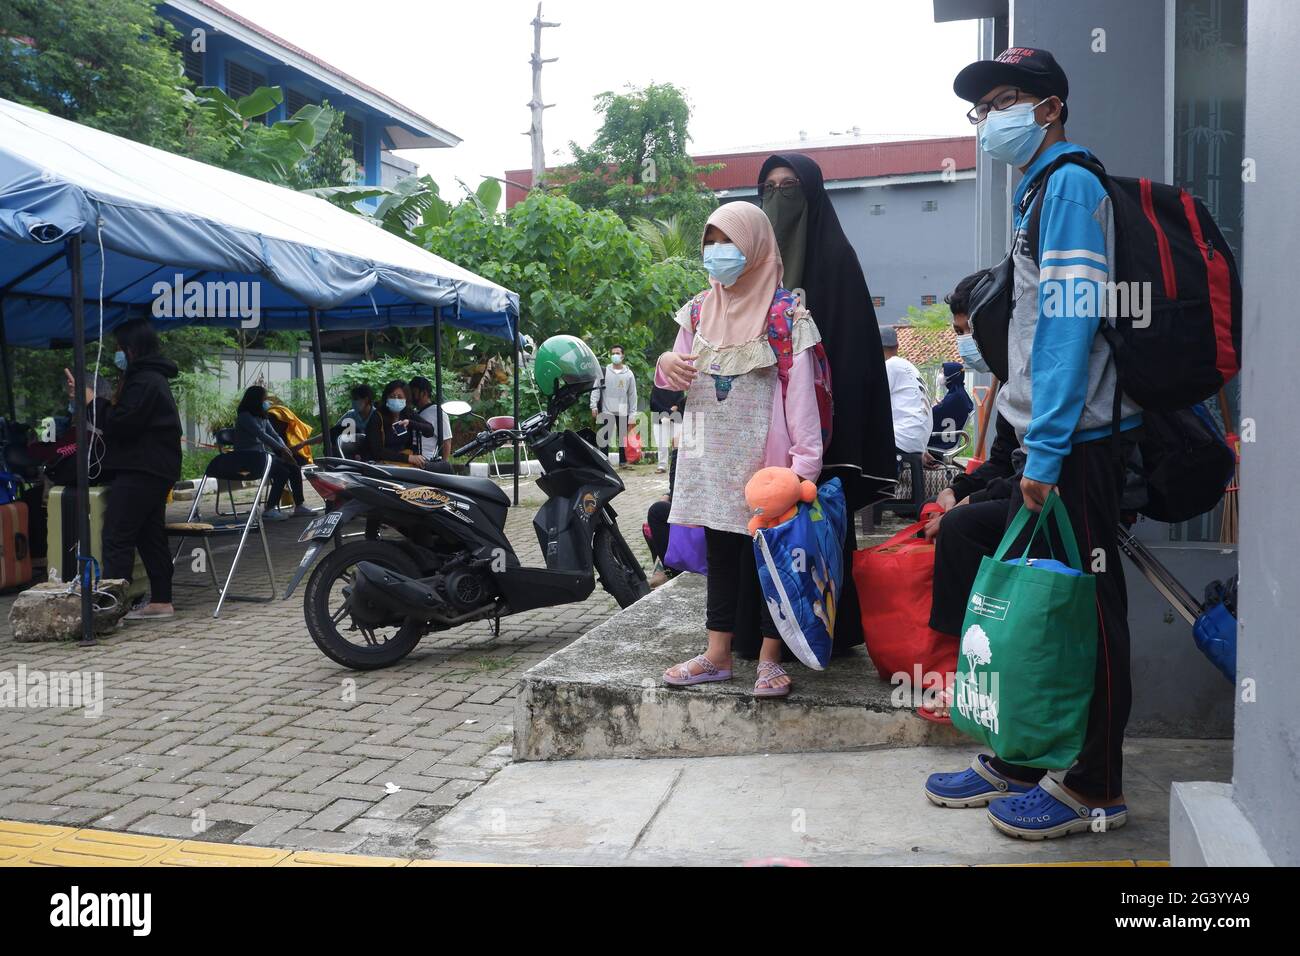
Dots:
pixel 1131 74
pixel 1266 764
pixel 907 253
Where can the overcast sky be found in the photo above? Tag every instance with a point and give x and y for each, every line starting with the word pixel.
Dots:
pixel 756 72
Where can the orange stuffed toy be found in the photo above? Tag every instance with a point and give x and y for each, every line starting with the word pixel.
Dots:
pixel 773 495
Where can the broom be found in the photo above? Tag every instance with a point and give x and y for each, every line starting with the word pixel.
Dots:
pixel 1228 529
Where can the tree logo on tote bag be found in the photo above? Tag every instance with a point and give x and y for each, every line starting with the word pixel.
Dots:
pixel 977 695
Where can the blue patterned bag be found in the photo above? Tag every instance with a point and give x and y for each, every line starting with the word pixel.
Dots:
pixel 801 567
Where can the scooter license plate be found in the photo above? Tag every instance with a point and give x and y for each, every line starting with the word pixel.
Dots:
pixel 322 527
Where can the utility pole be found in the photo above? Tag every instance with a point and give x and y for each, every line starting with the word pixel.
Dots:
pixel 536 104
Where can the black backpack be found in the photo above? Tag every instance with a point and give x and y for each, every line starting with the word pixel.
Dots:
pixel 1185 462
pixel 1189 345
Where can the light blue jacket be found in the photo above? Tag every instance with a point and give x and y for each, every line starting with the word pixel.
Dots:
pixel 1061 386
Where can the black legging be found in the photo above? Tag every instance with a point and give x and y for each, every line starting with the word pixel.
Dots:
pixel 283 473
pixel 136 519
pixel 657 519
pixel 968 534
pixel 730 559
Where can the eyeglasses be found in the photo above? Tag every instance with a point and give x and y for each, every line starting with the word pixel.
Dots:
pixel 786 188
pixel 977 113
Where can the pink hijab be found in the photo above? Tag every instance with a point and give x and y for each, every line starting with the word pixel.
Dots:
pixel 737 314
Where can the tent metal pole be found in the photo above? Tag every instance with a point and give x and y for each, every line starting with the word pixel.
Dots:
pixel 84 565
pixel 437 379
pixel 314 320
pixel 514 360
pixel 7 364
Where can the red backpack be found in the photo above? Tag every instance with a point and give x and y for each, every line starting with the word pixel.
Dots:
pixel 1190 347
pixel 780 321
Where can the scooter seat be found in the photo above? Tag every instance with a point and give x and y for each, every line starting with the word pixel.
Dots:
pixel 478 487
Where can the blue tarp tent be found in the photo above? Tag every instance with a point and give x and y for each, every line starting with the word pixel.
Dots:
pixel 158 215
pixel 90 221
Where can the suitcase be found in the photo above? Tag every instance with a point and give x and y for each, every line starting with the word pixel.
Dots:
pixel 15 554
pixel 61 550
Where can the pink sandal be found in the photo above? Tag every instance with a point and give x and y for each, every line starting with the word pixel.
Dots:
pixel 769 671
pixel 709 672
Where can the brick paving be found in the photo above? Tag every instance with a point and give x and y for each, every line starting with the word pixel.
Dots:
pixel 240 730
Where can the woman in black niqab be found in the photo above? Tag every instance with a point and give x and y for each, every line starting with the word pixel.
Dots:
pixel 820 260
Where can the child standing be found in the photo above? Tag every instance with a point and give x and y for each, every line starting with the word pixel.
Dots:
pixel 742 417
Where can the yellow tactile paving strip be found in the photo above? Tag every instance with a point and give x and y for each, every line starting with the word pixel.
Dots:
pixel 38 844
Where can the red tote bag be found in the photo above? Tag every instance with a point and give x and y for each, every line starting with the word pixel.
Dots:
pixel 895 582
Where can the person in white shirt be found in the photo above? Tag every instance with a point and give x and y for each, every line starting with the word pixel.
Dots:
pixel 906 397
pixel 614 402
pixel 433 454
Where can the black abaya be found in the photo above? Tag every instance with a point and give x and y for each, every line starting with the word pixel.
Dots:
pixel 861 451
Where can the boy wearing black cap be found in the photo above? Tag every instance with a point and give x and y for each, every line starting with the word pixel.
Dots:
pixel 1060 399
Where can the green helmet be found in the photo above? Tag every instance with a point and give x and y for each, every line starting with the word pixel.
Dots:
pixel 564 360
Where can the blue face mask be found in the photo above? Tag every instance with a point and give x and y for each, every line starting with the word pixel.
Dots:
pixel 1011 135
pixel 266 406
pixel 119 359
pixel 724 261
pixel 970 353
pixel 395 405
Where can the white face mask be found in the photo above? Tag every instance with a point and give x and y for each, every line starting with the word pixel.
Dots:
pixel 617 358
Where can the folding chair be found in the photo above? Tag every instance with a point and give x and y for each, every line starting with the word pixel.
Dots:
pixel 224 438
pixel 497 422
pixel 231 466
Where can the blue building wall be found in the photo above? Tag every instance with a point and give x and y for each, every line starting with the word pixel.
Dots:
pixel 221 49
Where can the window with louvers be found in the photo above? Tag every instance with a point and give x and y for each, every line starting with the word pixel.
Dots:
pixel 192 61
pixel 357 130
pixel 294 101
pixel 241 81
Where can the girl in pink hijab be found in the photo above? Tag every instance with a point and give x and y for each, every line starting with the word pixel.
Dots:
pixel 739 418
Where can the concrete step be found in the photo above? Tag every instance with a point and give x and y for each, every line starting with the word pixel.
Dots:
pixel 824 809
pixel 602 696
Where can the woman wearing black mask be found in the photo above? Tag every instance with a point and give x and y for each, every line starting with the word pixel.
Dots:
pixel 820 262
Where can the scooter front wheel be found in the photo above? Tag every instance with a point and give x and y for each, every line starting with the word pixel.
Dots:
pixel 620 572
pixel 329 619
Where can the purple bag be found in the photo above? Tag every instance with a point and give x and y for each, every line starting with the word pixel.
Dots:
pixel 686 551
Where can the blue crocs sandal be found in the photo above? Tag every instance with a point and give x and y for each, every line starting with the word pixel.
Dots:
pixel 973 787
pixel 1047 812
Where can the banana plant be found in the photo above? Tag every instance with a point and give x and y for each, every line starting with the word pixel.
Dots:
pixel 402 208
pixel 267 153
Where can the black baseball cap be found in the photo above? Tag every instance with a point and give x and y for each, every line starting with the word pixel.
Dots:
pixel 1034 71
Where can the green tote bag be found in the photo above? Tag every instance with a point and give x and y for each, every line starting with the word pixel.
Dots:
pixel 1025 671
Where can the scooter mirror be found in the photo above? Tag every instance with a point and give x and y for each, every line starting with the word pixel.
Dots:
pixel 456 408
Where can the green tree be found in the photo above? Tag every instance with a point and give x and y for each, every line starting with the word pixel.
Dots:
pixel 937 316
pixel 667 238
pixel 577 271
pixel 111 64
pixel 638 164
